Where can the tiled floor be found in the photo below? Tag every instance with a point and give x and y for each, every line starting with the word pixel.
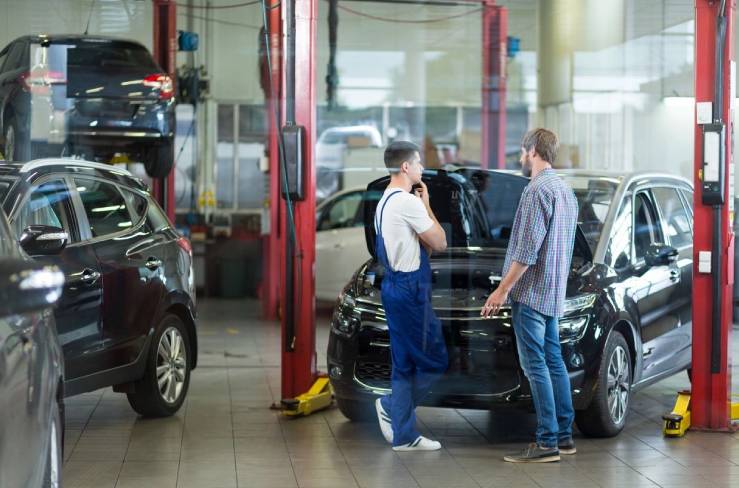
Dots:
pixel 225 435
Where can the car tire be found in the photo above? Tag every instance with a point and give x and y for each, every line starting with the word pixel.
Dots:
pixel 16 146
pixel 158 160
pixel 356 411
pixel 163 388
pixel 54 454
pixel 606 415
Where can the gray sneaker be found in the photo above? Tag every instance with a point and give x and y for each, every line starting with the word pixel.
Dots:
pixel 567 447
pixel 534 453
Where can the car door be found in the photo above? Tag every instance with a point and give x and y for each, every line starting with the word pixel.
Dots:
pixel 340 244
pixel 131 261
pixel 655 289
pixel 77 314
pixel 20 425
pixel 677 224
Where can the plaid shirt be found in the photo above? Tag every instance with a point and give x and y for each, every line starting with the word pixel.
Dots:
pixel 543 237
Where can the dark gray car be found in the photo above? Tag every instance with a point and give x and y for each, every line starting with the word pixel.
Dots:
pixel 31 368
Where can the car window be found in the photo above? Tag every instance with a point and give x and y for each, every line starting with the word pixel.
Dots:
pixel 49 203
pixel 647 230
pixel 688 195
pixel 156 218
pixel 676 217
pixel 594 197
pixel 342 213
pixel 8 243
pixel 104 206
pixel 137 205
pixel 618 254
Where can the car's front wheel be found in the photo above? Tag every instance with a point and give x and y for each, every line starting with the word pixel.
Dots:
pixel 162 390
pixel 53 471
pixel 606 415
pixel 16 147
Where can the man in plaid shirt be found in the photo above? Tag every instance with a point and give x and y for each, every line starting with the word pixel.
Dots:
pixel 535 279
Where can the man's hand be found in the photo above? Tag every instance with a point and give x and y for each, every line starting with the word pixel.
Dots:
pixel 423 194
pixel 494 302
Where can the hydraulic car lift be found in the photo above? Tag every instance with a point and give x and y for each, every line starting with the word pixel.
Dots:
pixel 291 145
pixel 708 406
pixel 165 53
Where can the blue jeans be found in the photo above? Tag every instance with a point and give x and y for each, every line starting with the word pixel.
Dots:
pixel 540 354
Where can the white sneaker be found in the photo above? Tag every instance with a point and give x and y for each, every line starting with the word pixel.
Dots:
pixel 384 419
pixel 420 444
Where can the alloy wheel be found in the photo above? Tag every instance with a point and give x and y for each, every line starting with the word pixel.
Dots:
pixel 618 385
pixel 171 365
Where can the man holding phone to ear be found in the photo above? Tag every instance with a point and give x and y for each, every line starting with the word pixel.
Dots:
pixel 407 232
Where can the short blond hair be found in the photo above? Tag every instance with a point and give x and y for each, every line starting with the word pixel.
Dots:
pixel 544 142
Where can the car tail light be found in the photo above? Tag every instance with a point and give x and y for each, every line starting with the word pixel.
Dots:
pixel 185 245
pixel 161 82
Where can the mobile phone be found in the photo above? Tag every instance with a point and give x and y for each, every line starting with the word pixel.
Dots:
pixel 415 187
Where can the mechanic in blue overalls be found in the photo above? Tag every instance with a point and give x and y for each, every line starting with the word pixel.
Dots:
pixel 407 232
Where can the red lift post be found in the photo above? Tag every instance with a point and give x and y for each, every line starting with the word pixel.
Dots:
pixel 710 400
pixel 494 54
pixel 299 351
pixel 165 53
pixel 272 268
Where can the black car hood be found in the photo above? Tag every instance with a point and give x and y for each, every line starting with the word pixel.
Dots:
pixel 475 207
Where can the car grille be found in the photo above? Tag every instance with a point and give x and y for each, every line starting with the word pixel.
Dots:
pixel 374 375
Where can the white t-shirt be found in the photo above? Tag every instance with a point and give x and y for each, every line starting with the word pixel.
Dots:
pixel 405 217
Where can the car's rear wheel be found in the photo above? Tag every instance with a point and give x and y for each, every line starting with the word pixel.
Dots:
pixel 162 390
pixel 53 471
pixel 607 413
pixel 158 160
pixel 356 411
pixel 15 148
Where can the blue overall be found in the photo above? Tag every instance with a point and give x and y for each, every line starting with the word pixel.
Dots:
pixel 417 346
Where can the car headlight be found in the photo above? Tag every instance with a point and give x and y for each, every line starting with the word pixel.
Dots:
pixel 572 328
pixel 344 321
pixel 579 302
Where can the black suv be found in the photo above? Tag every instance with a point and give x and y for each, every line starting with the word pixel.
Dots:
pixel 126 317
pixel 85 96
pixel 31 368
pixel 627 320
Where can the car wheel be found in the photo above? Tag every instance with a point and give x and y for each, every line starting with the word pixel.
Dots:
pixel 158 160
pixel 606 415
pixel 15 147
pixel 162 390
pixel 356 411
pixel 53 471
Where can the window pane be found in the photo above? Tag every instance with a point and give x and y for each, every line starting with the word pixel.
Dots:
pixel 618 254
pixel 49 204
pixel 676 218
pixel 137 205
pixel 646 230
pixel 342 212
pixel 104 206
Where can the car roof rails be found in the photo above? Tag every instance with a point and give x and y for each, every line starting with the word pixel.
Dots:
pixel 42 163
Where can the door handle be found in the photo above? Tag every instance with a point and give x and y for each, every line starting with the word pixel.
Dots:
pixel 153 263
pixel 89 276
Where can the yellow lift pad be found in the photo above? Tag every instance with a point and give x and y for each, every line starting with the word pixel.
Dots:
pixel 677 422
pixel 317 398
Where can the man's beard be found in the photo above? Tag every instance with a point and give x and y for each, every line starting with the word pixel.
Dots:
pixel 526 167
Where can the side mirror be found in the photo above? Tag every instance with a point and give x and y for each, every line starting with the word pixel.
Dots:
pixel 27 286
pixel 660 255
pixel 43 240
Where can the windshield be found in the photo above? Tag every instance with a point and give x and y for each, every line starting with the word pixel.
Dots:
pixel 475 208
pixel 594 197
